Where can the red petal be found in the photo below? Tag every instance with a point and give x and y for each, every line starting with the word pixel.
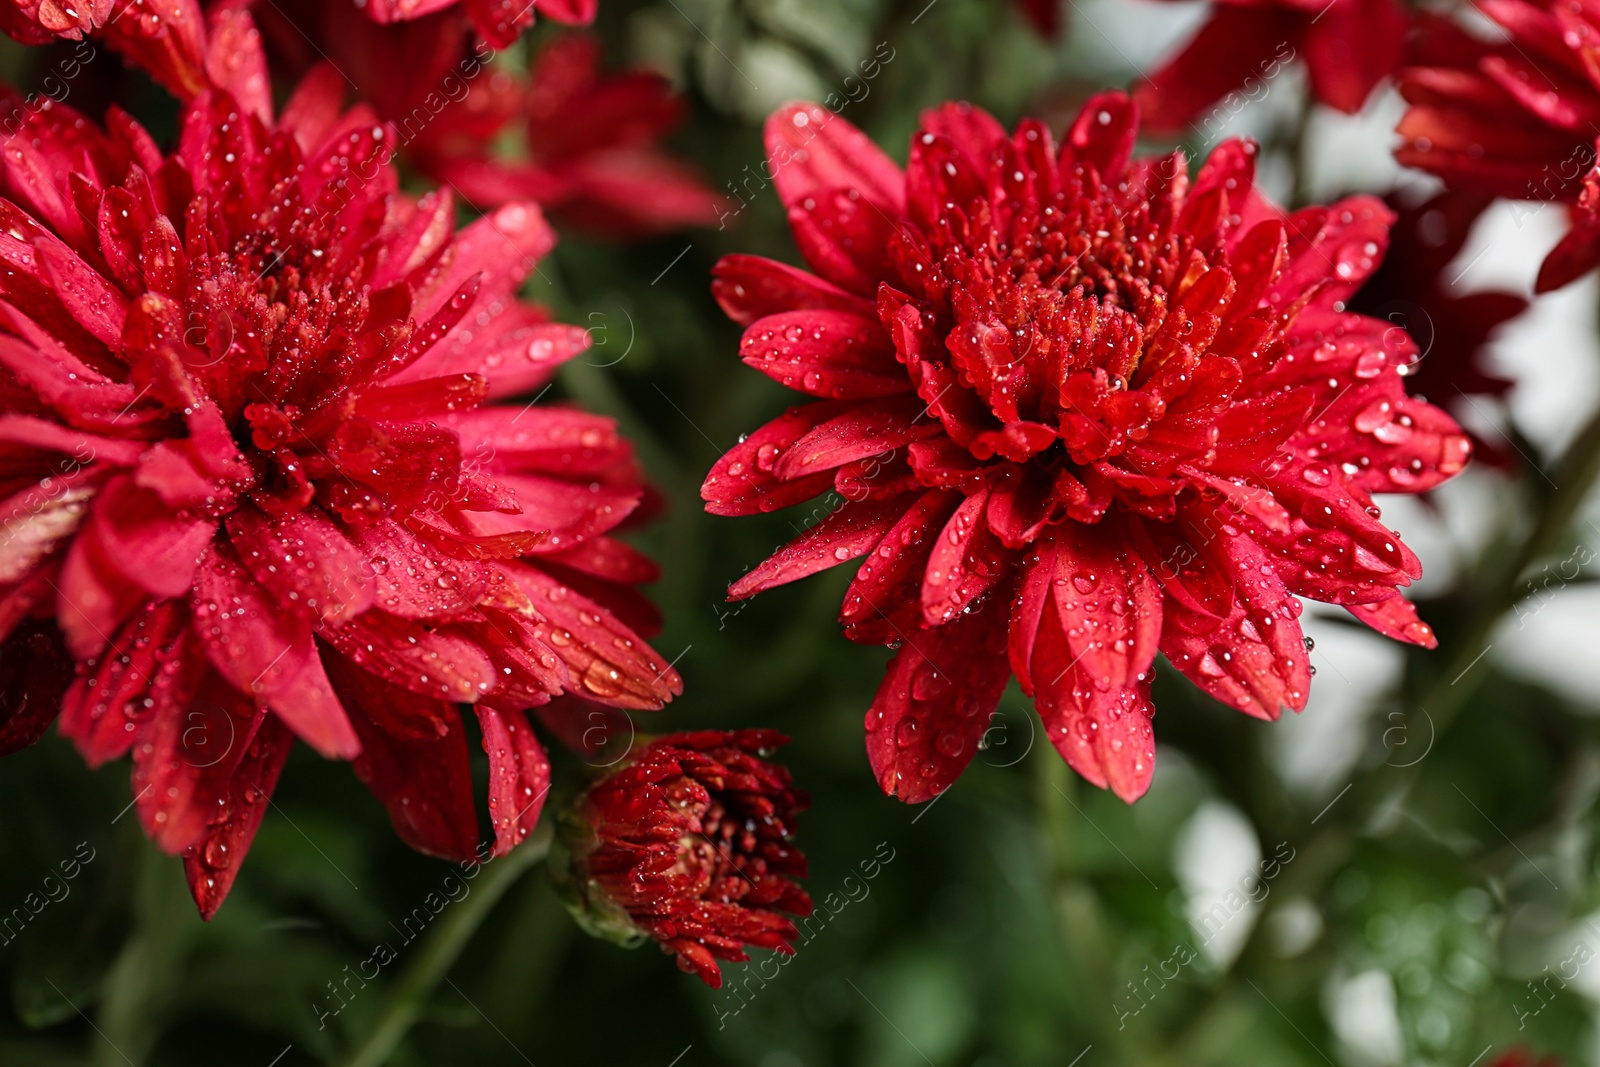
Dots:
pixel 853 530
pixel 422 776
pixel 145 541
pixel 308 705
pixel 870 428
pixel 1110 605
pixel 1027 612
pixel 934 704
pixel 848 240
pixel 92 599
pixel 413 581
pixel 812 150
pixel 743 481
pixel 965 562
pixel 305 561
pixel 1237 41
pixel 86 295
pixel 235 61
pixel 442 663
pixel 750 287
pixel 609 662
pixel 255 641
pixel 1349 236
pixel 1351 46
pixel 519 776
pixel 1254 659
pixel 1396 617
pixel 503 246
pixel 214 860
pixel 182 763
pixel 561 441
pixel 884 599
pixel 567 512
pixel 970 129
pixel 148 672
pixel 1103 134
pixel 836 354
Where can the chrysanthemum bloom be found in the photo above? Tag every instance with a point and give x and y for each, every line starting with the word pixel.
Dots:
pixel 1078 408
pixel 42 21
pixel 589 149
pixel 1349 46
pixel 689 842
pixel 253 474
pixel 1452 329
pixel 1514 118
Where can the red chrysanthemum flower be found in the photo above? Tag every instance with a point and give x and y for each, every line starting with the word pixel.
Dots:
pixel 1078 408
pixel 589 144
pixel 1411 290
pixel 1349 46
pixel 252 474
pixel 1513 118
pixel 43 21
pixel 689 843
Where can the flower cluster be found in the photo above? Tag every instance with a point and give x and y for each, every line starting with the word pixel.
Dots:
pixel 1082 410
pixel 272 470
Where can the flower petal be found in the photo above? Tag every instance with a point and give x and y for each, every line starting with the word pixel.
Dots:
pixel 814 151
pixel 1396 617
pixel 752 287
pixel 213 861
pixel 934 704
pixel 309 706
pixel 414 759
pixel 519 776
pixel 850 531
pixel 257 643
pixel 609 662
pixel 836 354
pixel 306 561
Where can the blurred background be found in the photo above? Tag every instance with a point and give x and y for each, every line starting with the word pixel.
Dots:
pixel 1406 873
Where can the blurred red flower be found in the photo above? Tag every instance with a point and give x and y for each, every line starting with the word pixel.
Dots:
pixel 254 476
pixel 689 843
pixel 1349 46
pixel 1513 118
pixel 1077 409
pixel 588 148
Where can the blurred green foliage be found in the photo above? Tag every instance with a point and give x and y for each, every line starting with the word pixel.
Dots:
pixel 1023 920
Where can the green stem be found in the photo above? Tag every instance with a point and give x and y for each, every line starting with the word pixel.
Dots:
pixel 443 946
